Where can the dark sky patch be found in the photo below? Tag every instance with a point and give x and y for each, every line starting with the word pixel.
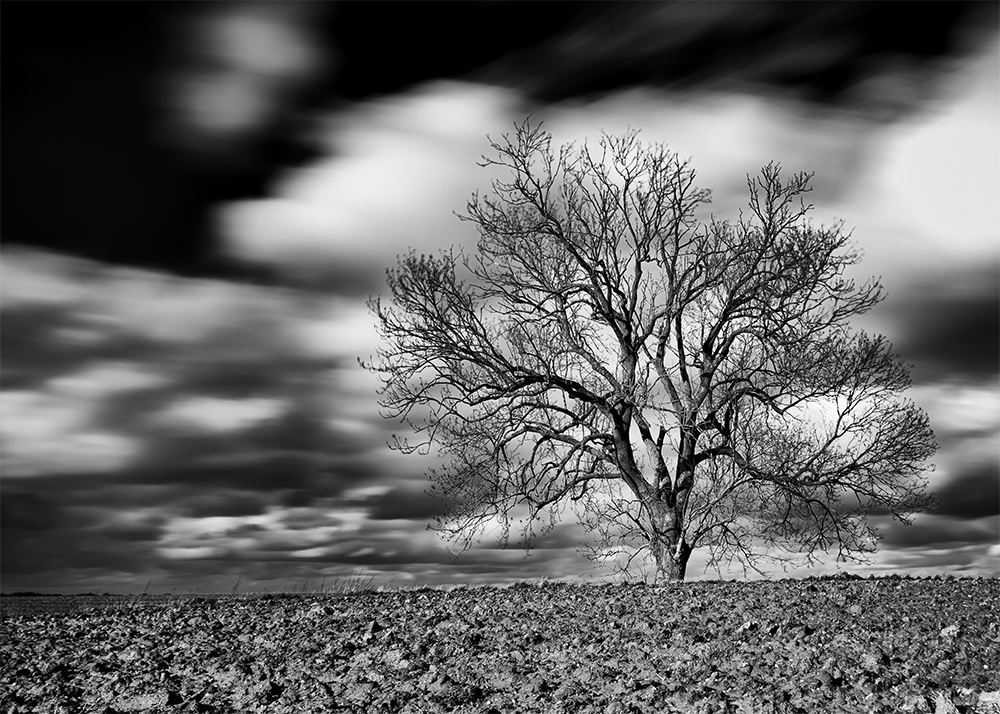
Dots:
pixel 350 279
pixel 949 324
pixel 937 532
pixel 303 429
pixel 23 511
pixel 972 493
pixel 273 474
pixel 238 379
pixel 130 411
pixel 820 51
pixel 72 537
pixel 138 531
pixel 302 519
pixel 102 168
pixel 31 350
pixel 197 503
pixel 406 503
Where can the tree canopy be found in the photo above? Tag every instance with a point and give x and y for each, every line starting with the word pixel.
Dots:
pixel 680 381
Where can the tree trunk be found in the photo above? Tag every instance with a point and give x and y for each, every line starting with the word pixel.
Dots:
pixel 670 550
pixel 671 561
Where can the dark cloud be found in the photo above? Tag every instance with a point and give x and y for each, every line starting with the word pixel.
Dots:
pixel 302 519
pixel 292 480
pixel 304 429
pixel 143 532
pixel 111 522
pixel 824 52
pixel 230 377
pixel 355 278
pixel 61 528
pixel 881 58
pixel 931 532
pixel 196 503
pixel 31 350
pixel 973 493
pixel 948 326
pixel 958 560
pixel 25 511
pixel 116 155
pixel 247 352
pixel 406 503
pixel 48 535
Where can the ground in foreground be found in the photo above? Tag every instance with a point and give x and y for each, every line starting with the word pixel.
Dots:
pixel 880 645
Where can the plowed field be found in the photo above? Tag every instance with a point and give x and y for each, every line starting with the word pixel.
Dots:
pixel 878 645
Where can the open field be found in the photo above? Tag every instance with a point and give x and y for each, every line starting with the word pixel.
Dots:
pixel 838 645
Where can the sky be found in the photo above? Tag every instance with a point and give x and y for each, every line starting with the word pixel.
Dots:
pixel 185 268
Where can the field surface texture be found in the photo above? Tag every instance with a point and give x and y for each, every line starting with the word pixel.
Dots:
pixel 886 645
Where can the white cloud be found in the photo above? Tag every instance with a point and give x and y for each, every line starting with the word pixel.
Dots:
pixel 216 414
pixel 279 530
pixel 48 444
pixel 52 430
pixel 943 173
pixel 930 200
pixel 401 166
pixel 958 408
pixel 178 310
pixel 366 492
pixel 339 327
pixel 310 552
pixel 104 379
pixel 27 277
pixel 189 553
pixel 107 301
pixel 728 136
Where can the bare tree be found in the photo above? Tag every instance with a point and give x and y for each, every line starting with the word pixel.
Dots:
pixel 687 383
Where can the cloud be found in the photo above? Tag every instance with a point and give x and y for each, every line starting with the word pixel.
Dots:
pixel 398 168
pixel 406 503
pixel 160 357
pixel 44 432
pixel 930 532
pixel 926 206
pixel 962 410
pixel 71 528
pixel 28 330
pixel 231 73
pixel 966 422
pixel 979 560
pixel 943 170
pixel 184 399
pixel 215 414
pixel 196 503
pixel 971 494
pixel 853 55
pixel 948 324
pixel 89 308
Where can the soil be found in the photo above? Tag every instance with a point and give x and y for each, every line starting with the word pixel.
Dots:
pixel 815 645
